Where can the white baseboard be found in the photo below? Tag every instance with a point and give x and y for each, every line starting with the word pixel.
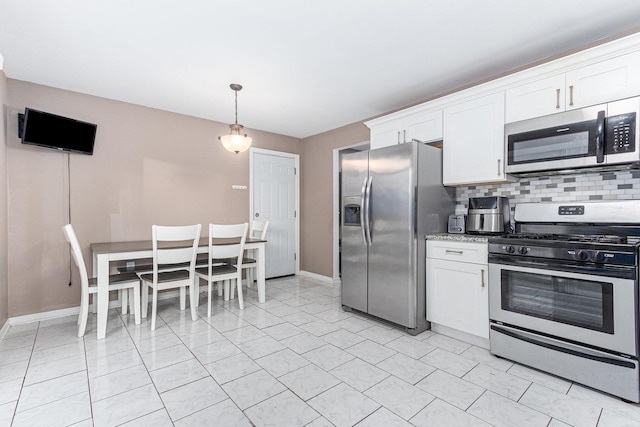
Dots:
pixel 72 311
pixel 461 336
pixel 45 315
pixel 5 329
pixel 319 277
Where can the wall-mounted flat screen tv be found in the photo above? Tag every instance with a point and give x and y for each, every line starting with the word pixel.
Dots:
pixel 56 132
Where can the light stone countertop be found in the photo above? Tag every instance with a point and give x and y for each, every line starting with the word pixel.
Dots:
pixel 458 237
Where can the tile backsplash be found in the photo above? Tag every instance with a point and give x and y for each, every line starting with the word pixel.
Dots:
pixel 618 185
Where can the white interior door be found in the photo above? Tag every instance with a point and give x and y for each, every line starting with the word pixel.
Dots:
pixel 274 200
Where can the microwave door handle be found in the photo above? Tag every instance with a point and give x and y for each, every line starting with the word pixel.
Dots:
pixel 600 137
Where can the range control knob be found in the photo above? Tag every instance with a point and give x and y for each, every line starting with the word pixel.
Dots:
pixel 523 250
pixel 509 249
pixel 598 257
pixel 581 255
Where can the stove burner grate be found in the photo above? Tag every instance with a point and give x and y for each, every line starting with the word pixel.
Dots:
pixel 598 238
pixel 530 236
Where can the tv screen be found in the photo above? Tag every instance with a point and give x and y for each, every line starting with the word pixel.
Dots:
pixel 57 132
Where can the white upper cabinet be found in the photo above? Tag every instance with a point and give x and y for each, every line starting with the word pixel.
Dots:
pixel 535 99
pixel 471 121
pixel 605 81
pixel 424 127
pixel 473 146
pixel 598 83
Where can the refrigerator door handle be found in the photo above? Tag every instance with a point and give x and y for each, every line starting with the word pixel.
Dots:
pixel 368 210
pixel 363 222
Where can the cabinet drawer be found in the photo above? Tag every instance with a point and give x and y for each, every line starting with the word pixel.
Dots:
pixel 457 251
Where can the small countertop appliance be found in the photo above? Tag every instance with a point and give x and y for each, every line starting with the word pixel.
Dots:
pixel 456 224
pixel 488 215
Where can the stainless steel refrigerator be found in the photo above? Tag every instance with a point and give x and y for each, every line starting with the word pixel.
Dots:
pixel 391 198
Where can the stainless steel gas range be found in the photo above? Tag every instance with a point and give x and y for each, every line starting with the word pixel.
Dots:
pixel 563 292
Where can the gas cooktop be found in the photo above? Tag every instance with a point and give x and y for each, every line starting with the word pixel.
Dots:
pixel 596 238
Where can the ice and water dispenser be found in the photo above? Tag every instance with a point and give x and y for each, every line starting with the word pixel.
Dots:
pixel 351 210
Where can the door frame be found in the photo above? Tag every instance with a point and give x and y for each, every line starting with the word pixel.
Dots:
pixel 336 207
pixel 296 160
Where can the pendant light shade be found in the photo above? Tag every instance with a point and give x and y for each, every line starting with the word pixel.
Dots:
pixel 236 141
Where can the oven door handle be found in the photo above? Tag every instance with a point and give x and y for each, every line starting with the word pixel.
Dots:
pixel 599 270
pixel 530 340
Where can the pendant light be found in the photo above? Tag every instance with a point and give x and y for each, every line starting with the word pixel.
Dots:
pixel 236 141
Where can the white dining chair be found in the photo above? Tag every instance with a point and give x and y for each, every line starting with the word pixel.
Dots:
pixel 227 271
pixel 88 286
pixel 258 230
pixel 175 246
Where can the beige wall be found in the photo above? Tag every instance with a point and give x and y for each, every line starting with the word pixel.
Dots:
pixel 4 287
pixel 317 195
pixel 148 167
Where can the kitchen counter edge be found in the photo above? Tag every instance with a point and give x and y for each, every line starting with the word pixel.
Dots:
pixel 458 237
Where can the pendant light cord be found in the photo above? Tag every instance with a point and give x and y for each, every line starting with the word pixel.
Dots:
pixel 236 106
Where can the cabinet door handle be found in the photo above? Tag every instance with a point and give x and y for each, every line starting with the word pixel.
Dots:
pixel 482 276
pixel 558 99
pixel 499 171
pixel 398 137
pixel 404 135
pixel 571 95
pixel 450 251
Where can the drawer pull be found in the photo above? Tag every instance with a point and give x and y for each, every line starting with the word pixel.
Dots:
pixel 449 251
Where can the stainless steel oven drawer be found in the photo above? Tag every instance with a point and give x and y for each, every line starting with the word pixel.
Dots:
pixel 610 373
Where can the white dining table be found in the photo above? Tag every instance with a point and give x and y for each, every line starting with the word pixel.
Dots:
pixel 107 252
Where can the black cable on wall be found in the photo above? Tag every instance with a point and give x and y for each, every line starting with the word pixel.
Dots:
pixel 69 211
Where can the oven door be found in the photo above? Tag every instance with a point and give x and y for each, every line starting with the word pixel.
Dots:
pixel 570 302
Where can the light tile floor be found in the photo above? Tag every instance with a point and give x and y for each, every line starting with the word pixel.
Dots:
pixel 298 360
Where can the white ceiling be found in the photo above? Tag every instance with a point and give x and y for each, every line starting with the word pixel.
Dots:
pixel 306 66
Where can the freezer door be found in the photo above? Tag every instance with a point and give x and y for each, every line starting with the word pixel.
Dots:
pixel 354 248
pixel 392 254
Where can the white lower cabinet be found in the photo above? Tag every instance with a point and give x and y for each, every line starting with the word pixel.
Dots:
pixel 457 288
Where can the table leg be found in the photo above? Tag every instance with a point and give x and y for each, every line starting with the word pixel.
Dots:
pixel 260 273
pixel 194 296
pixel 102 270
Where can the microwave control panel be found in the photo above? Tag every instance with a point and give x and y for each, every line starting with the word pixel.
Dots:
pixel 621 134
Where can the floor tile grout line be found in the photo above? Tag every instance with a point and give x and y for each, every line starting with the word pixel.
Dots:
pixel 24 378
pixel 171 324
pixel 203 366
pixel 88 380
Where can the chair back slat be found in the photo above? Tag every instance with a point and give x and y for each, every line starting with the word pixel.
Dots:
pixel 76 252
pixel 259 229
pixel 189 234
pixel 226 251
pixel 176 233
pixel 175 255
pixel 234 250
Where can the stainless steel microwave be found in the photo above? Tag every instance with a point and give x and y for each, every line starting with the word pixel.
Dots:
pixel 600 135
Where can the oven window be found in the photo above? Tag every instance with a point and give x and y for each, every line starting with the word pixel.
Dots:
pixel 582 303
